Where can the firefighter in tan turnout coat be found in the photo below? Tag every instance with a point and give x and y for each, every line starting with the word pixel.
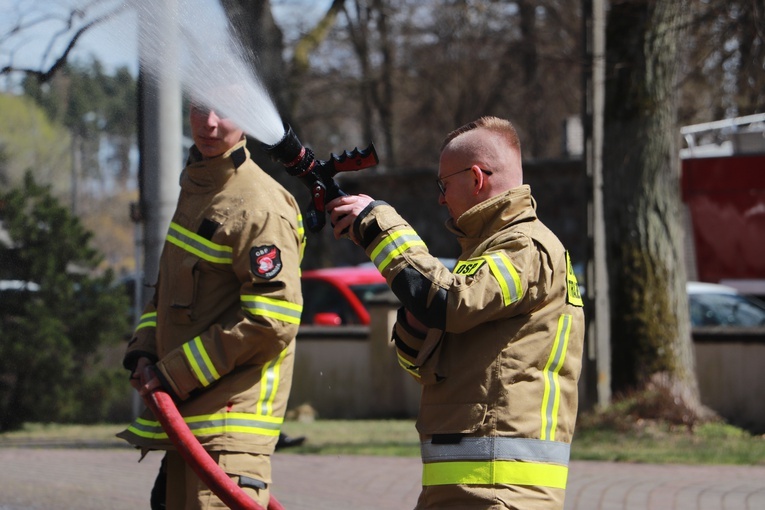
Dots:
pixel 220 329
pixel 497 342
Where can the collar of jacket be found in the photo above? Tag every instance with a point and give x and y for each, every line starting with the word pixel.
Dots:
pixel 482 220
pixel 210 174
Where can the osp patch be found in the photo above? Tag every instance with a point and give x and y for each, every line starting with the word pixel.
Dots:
pixel 265 261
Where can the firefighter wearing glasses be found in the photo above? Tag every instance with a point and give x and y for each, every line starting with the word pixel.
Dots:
pixel 497 342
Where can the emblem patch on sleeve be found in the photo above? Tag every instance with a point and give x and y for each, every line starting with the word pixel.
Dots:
pixel 265 261
pixel 573 296
pixel 468 267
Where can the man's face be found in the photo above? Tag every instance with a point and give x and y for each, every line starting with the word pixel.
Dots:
pixel 211 134
pixel 457 181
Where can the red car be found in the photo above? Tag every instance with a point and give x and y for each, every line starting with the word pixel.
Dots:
pixel 339 296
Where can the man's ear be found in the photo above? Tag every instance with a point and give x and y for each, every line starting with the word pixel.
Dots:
pixel 479 181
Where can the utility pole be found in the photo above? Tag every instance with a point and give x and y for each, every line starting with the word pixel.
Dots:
pixel 161 130
pixel 159 140
pixel 598 354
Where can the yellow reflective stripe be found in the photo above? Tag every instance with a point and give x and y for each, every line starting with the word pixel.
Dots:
pixel 200 362
pixel 551 398
pixel 494 473
pixel 406 365
pixel 245 423
pixel 301 236
pixel 393 245
pixel 269 384
pixel 146 428
pixel 506 276
pixel 148 320
pixel 273 308
pixel 198 245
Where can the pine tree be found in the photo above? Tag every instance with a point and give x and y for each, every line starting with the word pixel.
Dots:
pixel 53 330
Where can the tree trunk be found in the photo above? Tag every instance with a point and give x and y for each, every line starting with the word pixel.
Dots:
pixel 751 48
pixel 385 98
pixel 530 64
pixel 255 26
pixel 308 43
pixel 650 318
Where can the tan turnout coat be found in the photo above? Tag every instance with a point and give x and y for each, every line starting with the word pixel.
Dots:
pixel 500 363
pixel 226 308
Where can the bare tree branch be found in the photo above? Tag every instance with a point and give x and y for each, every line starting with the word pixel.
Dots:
pixel 312 39
pixel 45 75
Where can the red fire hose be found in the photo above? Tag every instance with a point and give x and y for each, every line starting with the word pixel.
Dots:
pixel 164 409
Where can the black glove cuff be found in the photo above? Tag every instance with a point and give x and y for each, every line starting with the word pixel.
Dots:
pixel 131 359
pixel 372 230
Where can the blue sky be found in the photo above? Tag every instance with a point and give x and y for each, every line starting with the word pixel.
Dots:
pixel 113 43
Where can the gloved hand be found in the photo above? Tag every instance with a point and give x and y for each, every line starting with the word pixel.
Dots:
pixel 145 378
pixel 138 371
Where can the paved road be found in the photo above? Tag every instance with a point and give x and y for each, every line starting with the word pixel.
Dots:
pixel 112 479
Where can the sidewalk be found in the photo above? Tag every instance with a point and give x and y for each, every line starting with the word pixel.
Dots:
pixel 62 479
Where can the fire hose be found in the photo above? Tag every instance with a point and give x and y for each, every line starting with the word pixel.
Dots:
pixel 161 404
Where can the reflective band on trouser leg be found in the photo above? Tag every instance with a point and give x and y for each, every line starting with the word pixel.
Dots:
pixel 496 460
pixel 392 246
pixel 494 472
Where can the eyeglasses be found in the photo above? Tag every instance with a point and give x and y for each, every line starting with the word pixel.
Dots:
pixel 440 180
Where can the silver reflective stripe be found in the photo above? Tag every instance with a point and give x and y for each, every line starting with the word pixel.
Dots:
pixel 269 384
pixel 551 398
pixel 497 448
pixel 220 423
pixel 393 245
pixel 198 245
pixel 274 308
pixel 506 276
pixel 210 426
pixel 200 361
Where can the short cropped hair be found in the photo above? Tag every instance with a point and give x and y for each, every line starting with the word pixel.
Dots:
pixel 500 126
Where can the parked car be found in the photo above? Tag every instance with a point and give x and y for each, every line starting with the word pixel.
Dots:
pixel 340 295
pixel 712 304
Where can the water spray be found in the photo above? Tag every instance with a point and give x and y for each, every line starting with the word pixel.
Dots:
pixel 317 175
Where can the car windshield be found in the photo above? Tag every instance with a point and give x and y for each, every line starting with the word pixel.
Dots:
pixel 726 310
pixel 368 291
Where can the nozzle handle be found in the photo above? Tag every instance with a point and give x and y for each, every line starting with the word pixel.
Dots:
pixel 299 161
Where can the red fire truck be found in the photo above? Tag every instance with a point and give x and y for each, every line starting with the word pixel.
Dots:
pixel 723 187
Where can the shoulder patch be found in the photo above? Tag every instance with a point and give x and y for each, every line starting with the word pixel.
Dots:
pixel 468 267
pixel 265 261
pixel 573 296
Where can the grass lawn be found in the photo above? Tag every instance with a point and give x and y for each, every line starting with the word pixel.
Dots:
pixel 650 442
pixel 712 443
